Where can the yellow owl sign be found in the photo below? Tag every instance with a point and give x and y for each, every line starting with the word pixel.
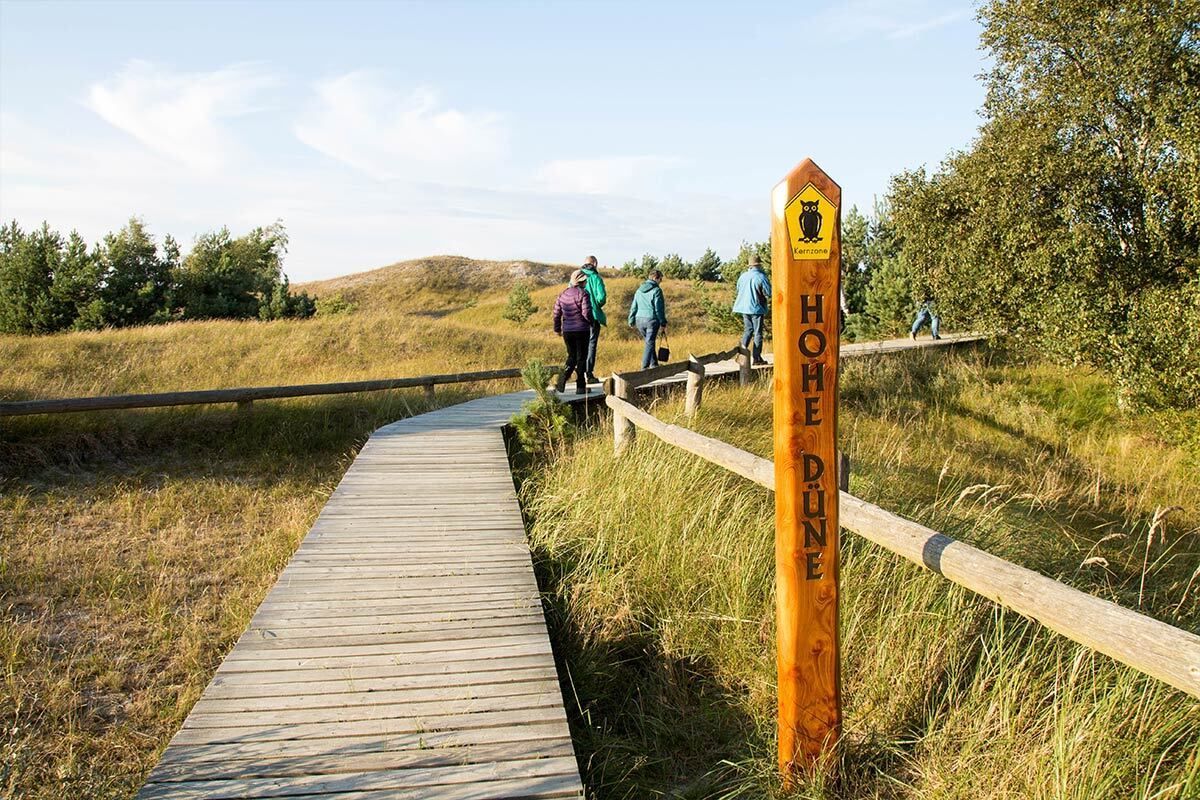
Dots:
pixel 811 222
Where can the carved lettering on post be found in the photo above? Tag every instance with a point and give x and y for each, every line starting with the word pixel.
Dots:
pixel 806 247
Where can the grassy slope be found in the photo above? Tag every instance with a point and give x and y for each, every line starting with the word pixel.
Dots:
pixel 431 316
pixel 134 546
pixel 660 569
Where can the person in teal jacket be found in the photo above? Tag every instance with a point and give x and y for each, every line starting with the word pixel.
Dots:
pixel 648 313
pixel 598 295
pixel 752 302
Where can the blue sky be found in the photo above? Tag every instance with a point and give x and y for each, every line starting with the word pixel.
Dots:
pixel 548 131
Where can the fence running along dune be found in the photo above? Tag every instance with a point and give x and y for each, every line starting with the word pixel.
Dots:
pixel 245 395
pixel 1152 647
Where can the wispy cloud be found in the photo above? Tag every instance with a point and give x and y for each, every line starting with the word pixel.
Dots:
pixel 360 121
pixel 602 175
pixel 181 114
pixel 894 20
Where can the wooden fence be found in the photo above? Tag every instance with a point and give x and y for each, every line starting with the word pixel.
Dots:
pixel 244 397
pixel 1152 647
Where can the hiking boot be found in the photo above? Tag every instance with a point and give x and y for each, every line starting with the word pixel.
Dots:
pixel 760 362
pixel 560 385
pixel 592 378
pixel 582 390
pixel 937 337
pixel 914 337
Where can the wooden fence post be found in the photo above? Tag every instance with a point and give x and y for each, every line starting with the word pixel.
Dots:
pixel 429 393
pixel 695 387
pixel 245 408
pixel 744 370
pixel 623 429
pixel 805 254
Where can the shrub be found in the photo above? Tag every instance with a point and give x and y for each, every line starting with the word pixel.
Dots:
pixel 543 426
pixel 520 305
pixel 334 304
pixel 282 304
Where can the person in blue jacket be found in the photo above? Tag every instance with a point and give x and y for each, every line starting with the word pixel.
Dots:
pixel 752 302
pixel 648 314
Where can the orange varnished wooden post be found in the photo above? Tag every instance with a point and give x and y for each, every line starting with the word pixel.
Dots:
pixel 805 250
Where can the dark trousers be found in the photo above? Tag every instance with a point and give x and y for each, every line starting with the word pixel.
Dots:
pixel 593 340
pixel 577 351
pixel 752 329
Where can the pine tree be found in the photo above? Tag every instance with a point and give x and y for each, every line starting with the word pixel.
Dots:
pixel 707 267
pixel 520 305
pixel 673 266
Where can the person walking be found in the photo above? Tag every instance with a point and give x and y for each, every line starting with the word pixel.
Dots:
pixel 648 313
pixel 753 301
pixel 573 319
pixel 927 314
pixel 597 294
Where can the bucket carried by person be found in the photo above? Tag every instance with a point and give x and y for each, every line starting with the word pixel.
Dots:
pixel 664 350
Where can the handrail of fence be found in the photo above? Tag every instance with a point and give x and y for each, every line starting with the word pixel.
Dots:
pixel 637 378
pixel 1152 647
pixel 246 396
pixel 243 396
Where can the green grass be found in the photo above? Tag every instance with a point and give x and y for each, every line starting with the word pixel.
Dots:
pixel 660 571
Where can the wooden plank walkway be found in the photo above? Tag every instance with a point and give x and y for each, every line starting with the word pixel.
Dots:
pixel 848 350
pixel 403 652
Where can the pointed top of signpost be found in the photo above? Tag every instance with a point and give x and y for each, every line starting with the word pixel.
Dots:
pixel 793 183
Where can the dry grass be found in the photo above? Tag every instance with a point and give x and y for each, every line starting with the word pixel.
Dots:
pixel 660 568
pixel 423 318
pixel 134 546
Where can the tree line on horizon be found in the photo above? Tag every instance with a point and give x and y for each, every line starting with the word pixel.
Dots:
pixel 51 283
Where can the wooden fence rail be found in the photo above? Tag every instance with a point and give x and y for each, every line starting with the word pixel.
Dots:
pixel 243 396
pixel 1152 647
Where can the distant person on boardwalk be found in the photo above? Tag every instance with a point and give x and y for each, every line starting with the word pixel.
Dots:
pixel 573 319
pixel 927 313
pixel 597 294
pixel 753 302
pixel 648 313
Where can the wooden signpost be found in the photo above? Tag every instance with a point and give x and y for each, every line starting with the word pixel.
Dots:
pixel 805 255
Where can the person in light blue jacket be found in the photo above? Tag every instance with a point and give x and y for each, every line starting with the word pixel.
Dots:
pixel 753 301
pixel 648 314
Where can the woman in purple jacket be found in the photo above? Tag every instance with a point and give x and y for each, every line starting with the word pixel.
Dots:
pixel 573 319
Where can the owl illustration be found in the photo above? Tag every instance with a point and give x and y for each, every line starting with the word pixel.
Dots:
pixel 810 221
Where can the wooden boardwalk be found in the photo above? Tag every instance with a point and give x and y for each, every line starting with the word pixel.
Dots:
pixel 403 652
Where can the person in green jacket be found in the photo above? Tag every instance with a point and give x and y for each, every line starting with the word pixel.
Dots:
pixel 648 313
pixel 598 295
